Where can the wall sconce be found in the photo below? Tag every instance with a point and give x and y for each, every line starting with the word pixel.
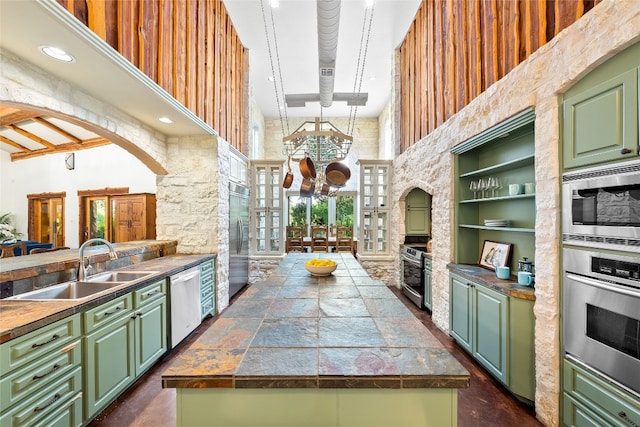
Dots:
pixel 70 161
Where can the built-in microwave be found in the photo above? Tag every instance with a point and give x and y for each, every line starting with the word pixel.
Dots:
pixel 601 207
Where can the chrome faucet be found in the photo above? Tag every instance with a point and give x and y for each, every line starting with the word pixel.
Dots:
pixel 84 268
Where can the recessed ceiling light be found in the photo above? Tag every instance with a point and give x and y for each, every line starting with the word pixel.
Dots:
pixel 165 120
pixel 271 78
pixel 372 78
pixel 274 3
pixel 369 3
pixel 57 53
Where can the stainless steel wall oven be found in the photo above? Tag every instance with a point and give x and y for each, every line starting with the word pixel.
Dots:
pixel 601 310
pixel 601 207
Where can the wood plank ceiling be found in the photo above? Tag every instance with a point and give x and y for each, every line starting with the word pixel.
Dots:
pixel 25 134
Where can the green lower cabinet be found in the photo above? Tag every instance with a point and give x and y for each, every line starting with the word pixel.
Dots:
pixel 151 334
pixel 109 362
pixel 497 330
pixel 207 289
pixel 131 337
pixel 427 286
pixel 490 331
pixel 591 400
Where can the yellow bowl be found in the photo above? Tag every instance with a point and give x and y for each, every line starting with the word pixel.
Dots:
pixel 324 270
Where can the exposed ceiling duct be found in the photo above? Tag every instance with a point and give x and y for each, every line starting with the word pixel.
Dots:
pixel 328 26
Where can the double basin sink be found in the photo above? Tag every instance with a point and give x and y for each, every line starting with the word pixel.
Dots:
pixel 91 286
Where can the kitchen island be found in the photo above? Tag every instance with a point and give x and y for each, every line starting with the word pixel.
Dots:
pixel 296 350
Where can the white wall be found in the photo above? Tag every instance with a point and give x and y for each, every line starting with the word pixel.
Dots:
pixel 95 168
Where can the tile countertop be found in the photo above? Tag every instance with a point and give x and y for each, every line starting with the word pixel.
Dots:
pixel 18 317
pixel 294 330
pixel 488 278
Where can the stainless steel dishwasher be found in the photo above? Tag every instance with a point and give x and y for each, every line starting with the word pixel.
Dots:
pixel 185 304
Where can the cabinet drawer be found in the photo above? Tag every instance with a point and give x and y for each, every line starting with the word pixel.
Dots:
pixel 149 293
pixel 36 344
pixel 577 415
pixel 44 403
pixel 612 403
pixel 206 292
pixel 28 380
pixel 104 313
pixel 206 267
pixel 207 307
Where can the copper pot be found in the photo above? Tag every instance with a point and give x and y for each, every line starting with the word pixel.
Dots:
pixel 325 189
pixel 307 168
pixel 307 188
pixel 337 174
pixel 288 178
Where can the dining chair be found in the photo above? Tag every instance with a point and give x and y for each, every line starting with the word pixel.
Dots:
pixel 319 238
pixel 344 239
pixel 8 250
pixel 295 238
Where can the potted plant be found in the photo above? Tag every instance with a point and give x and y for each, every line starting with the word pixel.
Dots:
pixel 8 232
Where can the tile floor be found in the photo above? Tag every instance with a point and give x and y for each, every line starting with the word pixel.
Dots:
pixel 484 404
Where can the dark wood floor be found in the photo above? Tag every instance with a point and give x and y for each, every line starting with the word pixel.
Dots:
pixel 484 404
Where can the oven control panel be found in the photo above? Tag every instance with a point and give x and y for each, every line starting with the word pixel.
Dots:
pixel 615 268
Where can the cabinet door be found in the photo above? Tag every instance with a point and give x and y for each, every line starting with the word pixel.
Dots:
pixel 267 203
pixel 460 312
pixel 109 363
pixel 490 331
pixel 151 334
pixel 427 288
pixel 602 121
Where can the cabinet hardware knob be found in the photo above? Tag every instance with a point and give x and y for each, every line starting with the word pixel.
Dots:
pixel 53 338
pixel 42 408
pixel 52 370
pixel 625 151
pixel 624 416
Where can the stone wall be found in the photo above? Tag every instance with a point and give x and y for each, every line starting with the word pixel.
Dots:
pixel 538 82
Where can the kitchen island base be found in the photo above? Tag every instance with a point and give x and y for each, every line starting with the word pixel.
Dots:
pixel 317 407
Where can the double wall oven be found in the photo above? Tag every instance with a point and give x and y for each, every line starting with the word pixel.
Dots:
pixel 601 277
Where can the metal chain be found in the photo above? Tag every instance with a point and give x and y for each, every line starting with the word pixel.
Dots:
pixel 284 101
pixel 360 71
pixel 275 85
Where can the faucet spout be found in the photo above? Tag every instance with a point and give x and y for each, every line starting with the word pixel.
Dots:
pixel 84 268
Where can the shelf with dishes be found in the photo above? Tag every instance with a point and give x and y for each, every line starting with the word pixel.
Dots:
pixel 499 198
pixel 526 160
pixel 498 228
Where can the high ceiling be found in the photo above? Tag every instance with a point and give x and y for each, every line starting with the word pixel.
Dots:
pixel 295 23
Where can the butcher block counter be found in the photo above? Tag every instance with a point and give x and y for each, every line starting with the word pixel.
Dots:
pixel 297 349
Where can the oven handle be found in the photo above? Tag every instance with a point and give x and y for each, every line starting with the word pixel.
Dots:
pixel 602 285
pixel 412 261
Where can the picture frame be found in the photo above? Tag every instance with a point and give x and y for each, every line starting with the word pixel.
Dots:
pixel 495 254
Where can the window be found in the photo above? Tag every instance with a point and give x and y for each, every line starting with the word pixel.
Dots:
pixel 46 218
pixel 337 210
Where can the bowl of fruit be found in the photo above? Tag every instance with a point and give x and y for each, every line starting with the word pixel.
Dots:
pixel 320 267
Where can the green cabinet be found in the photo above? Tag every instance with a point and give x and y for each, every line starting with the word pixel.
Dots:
pixel 417 216
pixel 591 400
pixel 207 289
pixel 109 359
pixel 497 330
pixel 505 153
pixel 123 338
pixel 41 376
pixel 428 272
pixel 600 113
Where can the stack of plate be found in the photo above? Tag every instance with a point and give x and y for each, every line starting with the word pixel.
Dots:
pixel 497 222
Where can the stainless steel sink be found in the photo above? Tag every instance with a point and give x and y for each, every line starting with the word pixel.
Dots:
pixel 119 276
pixel 67 291
pixel 78 290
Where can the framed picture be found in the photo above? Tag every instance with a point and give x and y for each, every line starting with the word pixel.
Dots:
pixel 495 254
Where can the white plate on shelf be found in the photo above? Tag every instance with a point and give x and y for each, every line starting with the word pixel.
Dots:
pixel 497 222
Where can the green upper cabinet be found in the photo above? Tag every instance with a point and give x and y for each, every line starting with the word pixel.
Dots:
pixel 600 113
pixel 503 155
pixel 417 213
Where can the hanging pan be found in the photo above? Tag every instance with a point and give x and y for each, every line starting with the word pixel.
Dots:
pixel 307 168
pixel 288 178
pixel 307 188
pixel 337 174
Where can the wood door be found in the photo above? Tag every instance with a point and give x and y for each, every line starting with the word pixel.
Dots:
pixel 122 220
pixel 46 218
